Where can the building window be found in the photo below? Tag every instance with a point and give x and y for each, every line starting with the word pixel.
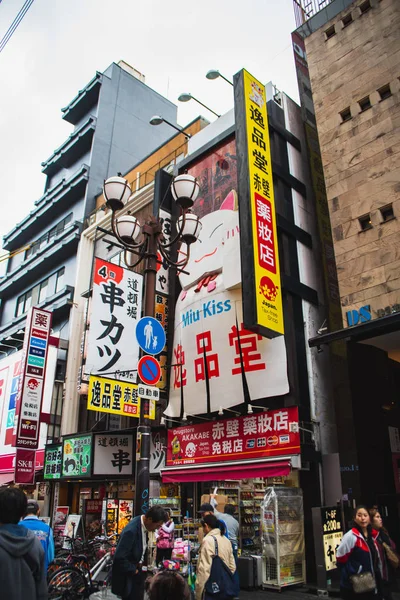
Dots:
pixel 387 213
pixel 43 291
pixel 365 6
pixel 365 222
pixel 345 114
pixel 48 236
pixel 364 103
pixel 60 279
pixel 347 20
pixel 385 92
pixel 24 303
pixel 330 32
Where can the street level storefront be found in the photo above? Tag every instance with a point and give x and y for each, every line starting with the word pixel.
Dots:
pixel 243 459
pixel 368 412
pixel 92 475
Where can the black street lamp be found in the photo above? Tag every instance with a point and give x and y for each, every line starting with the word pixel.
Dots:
pixel 144 242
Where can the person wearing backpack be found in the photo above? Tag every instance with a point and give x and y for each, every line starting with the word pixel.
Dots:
pixel 216 564
pixel 165 539
pixel 22 573
pixel 43 532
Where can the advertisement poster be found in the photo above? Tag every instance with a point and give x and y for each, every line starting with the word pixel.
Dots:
pixel 92 511
pixel 272 433
pixel 111 516
pixel 25 461
pixel 77 456
pixel 60 520
pixel 71 527
pixel 116 307
pixel 332 534
pixel 125 513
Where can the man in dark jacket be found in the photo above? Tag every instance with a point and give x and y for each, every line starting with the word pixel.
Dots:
pixel 22 573
pixel 129 570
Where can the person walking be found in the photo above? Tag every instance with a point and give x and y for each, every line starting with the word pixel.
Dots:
pixel 165 539
pixel 214 534
pixel 387 552
pixel 129 569
pixel 22 573
pixel 43 532
pixel 358 554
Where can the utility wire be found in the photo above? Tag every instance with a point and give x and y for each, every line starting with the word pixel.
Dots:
pixel 15 23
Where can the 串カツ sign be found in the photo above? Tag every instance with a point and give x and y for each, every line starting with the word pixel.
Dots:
pixel 242 438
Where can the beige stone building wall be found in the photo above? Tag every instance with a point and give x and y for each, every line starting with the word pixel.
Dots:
pixel 361 155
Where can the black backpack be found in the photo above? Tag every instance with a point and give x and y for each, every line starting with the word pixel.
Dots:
pixel 221 584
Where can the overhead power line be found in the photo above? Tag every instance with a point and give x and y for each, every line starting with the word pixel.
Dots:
pixel 15 23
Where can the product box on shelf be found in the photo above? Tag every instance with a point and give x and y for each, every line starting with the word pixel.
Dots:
pixel 220 498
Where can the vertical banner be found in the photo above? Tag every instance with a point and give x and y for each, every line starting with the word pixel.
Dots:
pixel 31 381
pixel 262 297
pixel 25 466
pixel 116 308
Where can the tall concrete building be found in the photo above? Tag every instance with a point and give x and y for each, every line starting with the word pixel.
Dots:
pixel 111 131
pixel 347 56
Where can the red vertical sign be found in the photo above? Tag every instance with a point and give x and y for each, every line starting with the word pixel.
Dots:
pixel 25 466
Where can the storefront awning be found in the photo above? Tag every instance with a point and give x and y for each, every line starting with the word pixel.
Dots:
pixel 223 472
pixel 6 478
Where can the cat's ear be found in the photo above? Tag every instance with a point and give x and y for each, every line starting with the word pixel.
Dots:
pixel 230 202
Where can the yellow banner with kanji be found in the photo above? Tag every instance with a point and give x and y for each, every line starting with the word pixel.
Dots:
pixel 268 287
pixel 114 397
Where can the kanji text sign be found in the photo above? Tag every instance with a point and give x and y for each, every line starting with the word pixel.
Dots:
pixel 112 348
pixel 77 456
pixel 52 461
pixel 254 436
pixel 332 533
pixel 262 297
pixel 114 397
pixel 113 454
pixel 31 384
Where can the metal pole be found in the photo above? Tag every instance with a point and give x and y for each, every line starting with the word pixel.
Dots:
pixel 142 479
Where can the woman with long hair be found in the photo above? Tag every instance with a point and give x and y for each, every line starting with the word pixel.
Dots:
pixel 214 533
pixel 358 554
pixel 387 552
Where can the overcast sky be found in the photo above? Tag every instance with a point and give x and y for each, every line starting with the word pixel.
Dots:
pixel 60 44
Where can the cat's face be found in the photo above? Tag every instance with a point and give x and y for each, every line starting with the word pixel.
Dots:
pixel 216 251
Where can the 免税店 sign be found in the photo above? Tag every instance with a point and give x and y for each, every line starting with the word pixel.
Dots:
pixel 263 435
pixel 262 300
pixel 112 348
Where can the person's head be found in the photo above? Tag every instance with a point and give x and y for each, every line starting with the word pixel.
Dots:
pixel 167 515
pixel 32 508
pixel 361 516
pixel 154 518
pixel 210 522
pixel 376 519
pixel 229 509
pixel 206 509
pixel 13 504
pixel 168 585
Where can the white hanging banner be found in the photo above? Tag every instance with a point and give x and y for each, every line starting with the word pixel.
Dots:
pixel 212 349
pixel 112 349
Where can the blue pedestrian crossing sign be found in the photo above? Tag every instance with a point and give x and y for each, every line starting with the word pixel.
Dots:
pixel 150 335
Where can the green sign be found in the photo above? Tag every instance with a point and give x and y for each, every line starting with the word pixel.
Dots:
pixel 52 461
pixel 77 456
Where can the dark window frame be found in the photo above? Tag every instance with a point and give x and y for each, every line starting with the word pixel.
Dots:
pixel 330 32
pixel 387 213
pixel 365 222
pixel 384 92
pixel 365 7
pixel 365 103
pixel 345 115
pixel 347 20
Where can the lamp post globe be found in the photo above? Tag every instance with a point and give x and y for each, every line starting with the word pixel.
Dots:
pixel 116 192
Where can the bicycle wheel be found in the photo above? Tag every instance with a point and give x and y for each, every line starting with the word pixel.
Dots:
pixel 68 584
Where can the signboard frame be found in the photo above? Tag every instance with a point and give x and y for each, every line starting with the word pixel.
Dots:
pixel 53 448
pixel 261 283
pixel 79 475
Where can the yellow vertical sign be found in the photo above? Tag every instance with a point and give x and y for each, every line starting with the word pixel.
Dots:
pixel 267 281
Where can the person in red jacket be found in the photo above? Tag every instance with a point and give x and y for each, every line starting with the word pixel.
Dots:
pixel 358 553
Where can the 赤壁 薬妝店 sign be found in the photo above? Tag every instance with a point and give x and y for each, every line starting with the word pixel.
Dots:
pixel 261 281
pixel 267 434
